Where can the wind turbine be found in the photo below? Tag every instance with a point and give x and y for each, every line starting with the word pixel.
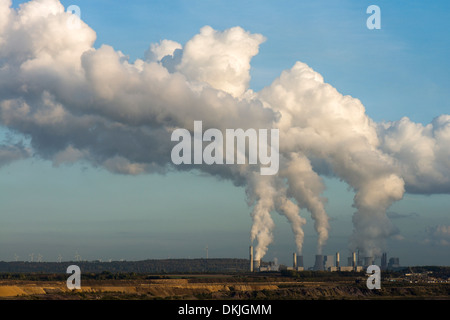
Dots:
pixel 39 258
pixel 31 255
pixel 59 258
pixel 16 257
pixel 77 256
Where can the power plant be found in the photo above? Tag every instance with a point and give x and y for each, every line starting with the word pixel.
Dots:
pixel 324 263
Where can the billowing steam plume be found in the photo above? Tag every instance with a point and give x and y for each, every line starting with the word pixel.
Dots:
pixel 74 102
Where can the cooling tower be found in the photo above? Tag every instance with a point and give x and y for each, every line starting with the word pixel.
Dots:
pixel 256 264
pixel 318 265
pixel 368 261
pixel 300 261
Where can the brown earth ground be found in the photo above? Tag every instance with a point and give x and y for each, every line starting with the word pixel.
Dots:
pixel 218 287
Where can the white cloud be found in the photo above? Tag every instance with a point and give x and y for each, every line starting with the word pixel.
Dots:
pixel 421 153
pixel 221 59
pixel 158 51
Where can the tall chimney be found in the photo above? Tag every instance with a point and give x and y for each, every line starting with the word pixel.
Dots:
pixel 354 260
pixel 337 259
pixel 251 258
pixel 384 261
pixel 295 260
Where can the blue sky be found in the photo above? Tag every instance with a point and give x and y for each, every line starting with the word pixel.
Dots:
pixel 400 70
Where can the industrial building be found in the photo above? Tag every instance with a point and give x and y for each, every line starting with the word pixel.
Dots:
pixel 329 263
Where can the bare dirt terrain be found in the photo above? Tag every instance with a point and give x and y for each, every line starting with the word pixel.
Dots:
pixel 219 287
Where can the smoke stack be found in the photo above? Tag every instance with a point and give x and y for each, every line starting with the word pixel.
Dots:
pixel 384 261
pixel 354 260
pixel 295 260
pixel 251 258
pixel 337 259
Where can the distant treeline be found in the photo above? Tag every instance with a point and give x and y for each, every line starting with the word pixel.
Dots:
pixel 105 275
pixel 144 266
